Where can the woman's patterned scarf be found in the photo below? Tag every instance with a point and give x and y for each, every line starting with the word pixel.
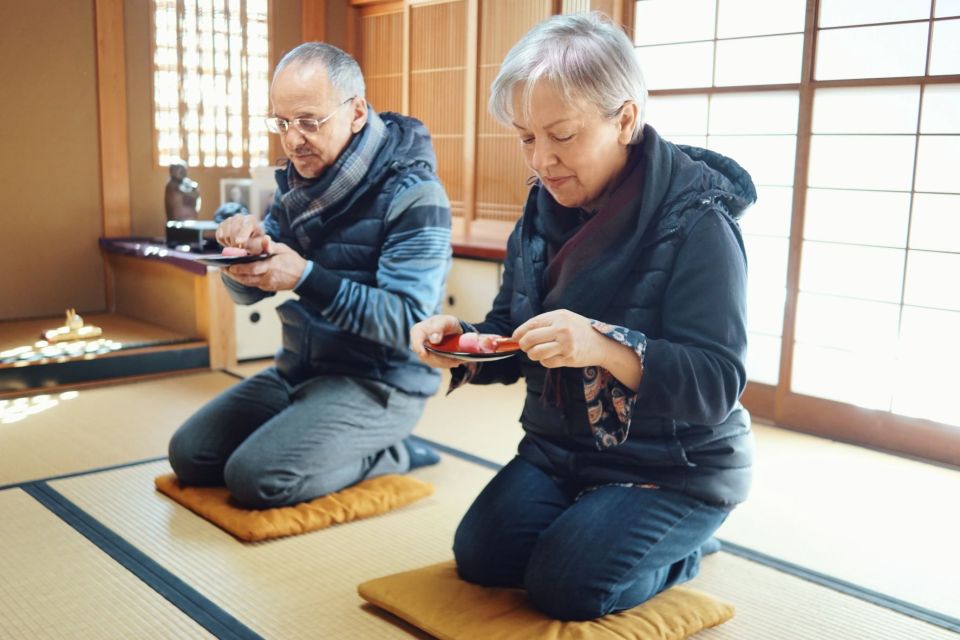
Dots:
pixel 587 259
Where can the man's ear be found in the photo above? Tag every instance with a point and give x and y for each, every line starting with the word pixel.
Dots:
pixel 359 114
pixel 628 120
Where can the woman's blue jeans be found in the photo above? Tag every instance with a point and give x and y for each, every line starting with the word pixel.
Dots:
pixel 581 555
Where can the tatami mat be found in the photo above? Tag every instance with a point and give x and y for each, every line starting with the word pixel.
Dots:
pixel 99 427
pixel 842 511
pixel 884 523
pixel 777 606
pixel 483 420
pixel 299 587
pixel 56 584
pixel 305 587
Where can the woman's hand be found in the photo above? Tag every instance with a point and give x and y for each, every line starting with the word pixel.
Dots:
pixel 281 272
pixel 243 232
pixel 433 329
pixel 562 338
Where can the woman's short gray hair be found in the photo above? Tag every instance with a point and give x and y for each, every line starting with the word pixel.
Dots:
pixel 583 56
pixel 342 69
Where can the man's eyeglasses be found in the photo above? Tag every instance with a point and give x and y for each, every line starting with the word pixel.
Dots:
pixel 306 126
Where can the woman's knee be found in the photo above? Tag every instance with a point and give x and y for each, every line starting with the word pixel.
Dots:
pixel 472 554
pixel 484 558
pixel 583 582
pixel 583 595
pixel 567 595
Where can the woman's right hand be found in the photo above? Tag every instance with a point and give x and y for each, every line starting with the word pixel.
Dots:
pixel 433 330
pixel 243 232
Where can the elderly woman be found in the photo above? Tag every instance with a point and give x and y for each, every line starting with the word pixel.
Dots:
pixel 625 285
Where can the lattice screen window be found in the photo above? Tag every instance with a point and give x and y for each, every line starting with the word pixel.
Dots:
pixel 210 82
pixel 875 312
pixel 688 46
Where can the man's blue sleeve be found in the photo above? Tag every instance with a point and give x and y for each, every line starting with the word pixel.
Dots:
pixel 411 273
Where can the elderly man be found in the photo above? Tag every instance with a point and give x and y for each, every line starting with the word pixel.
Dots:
pixel 360 230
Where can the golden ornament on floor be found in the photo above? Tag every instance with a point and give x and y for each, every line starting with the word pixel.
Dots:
pixel 73 329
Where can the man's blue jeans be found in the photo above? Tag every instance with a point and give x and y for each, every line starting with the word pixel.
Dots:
pixel 581 555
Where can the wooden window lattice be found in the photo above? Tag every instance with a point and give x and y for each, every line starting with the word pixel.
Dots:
pixel 211 82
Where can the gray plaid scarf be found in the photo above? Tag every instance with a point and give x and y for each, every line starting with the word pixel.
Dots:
pixel 307 199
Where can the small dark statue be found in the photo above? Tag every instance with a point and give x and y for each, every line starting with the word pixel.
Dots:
pixel 182 195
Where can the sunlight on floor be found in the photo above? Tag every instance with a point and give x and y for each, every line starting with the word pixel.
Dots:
pixel 21 408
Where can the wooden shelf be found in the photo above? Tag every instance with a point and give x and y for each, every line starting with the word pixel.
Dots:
pixel 145 349
pixel 484 241
pixel 116 327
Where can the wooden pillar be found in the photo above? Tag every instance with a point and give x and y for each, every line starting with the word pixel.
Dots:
pixel 112 108
pixel 314 20
pixel 470 116
pixel 112 125
pixel 216 321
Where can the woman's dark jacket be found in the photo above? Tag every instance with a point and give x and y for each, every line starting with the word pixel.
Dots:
pixel 681 283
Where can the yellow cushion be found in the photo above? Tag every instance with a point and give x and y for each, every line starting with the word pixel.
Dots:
pixel 362 500
pixel 434 599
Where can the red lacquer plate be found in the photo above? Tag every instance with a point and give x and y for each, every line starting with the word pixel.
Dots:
pixel 467 347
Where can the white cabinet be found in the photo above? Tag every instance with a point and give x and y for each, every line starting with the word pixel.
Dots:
pixel 471 287
pixel 258 327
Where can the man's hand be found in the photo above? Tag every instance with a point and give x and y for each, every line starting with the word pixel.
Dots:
pixel 278 273
pixel 243 232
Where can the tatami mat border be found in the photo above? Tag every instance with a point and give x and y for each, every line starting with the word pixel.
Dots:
pixel 873 597
pixel 463 455
pixel 85 472
pixel 204 612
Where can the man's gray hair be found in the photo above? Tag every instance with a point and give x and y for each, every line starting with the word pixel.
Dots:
pixel 342 69
pixel 583 56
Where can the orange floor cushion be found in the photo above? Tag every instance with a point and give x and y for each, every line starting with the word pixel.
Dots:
pixel 435 600
pixel 362 500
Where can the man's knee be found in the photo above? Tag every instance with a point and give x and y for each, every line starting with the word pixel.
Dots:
pixel 253 486
pixel 181 453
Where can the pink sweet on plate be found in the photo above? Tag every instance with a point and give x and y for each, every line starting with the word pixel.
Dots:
pixel 232 252
pixel 471 343
pixel 476 343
